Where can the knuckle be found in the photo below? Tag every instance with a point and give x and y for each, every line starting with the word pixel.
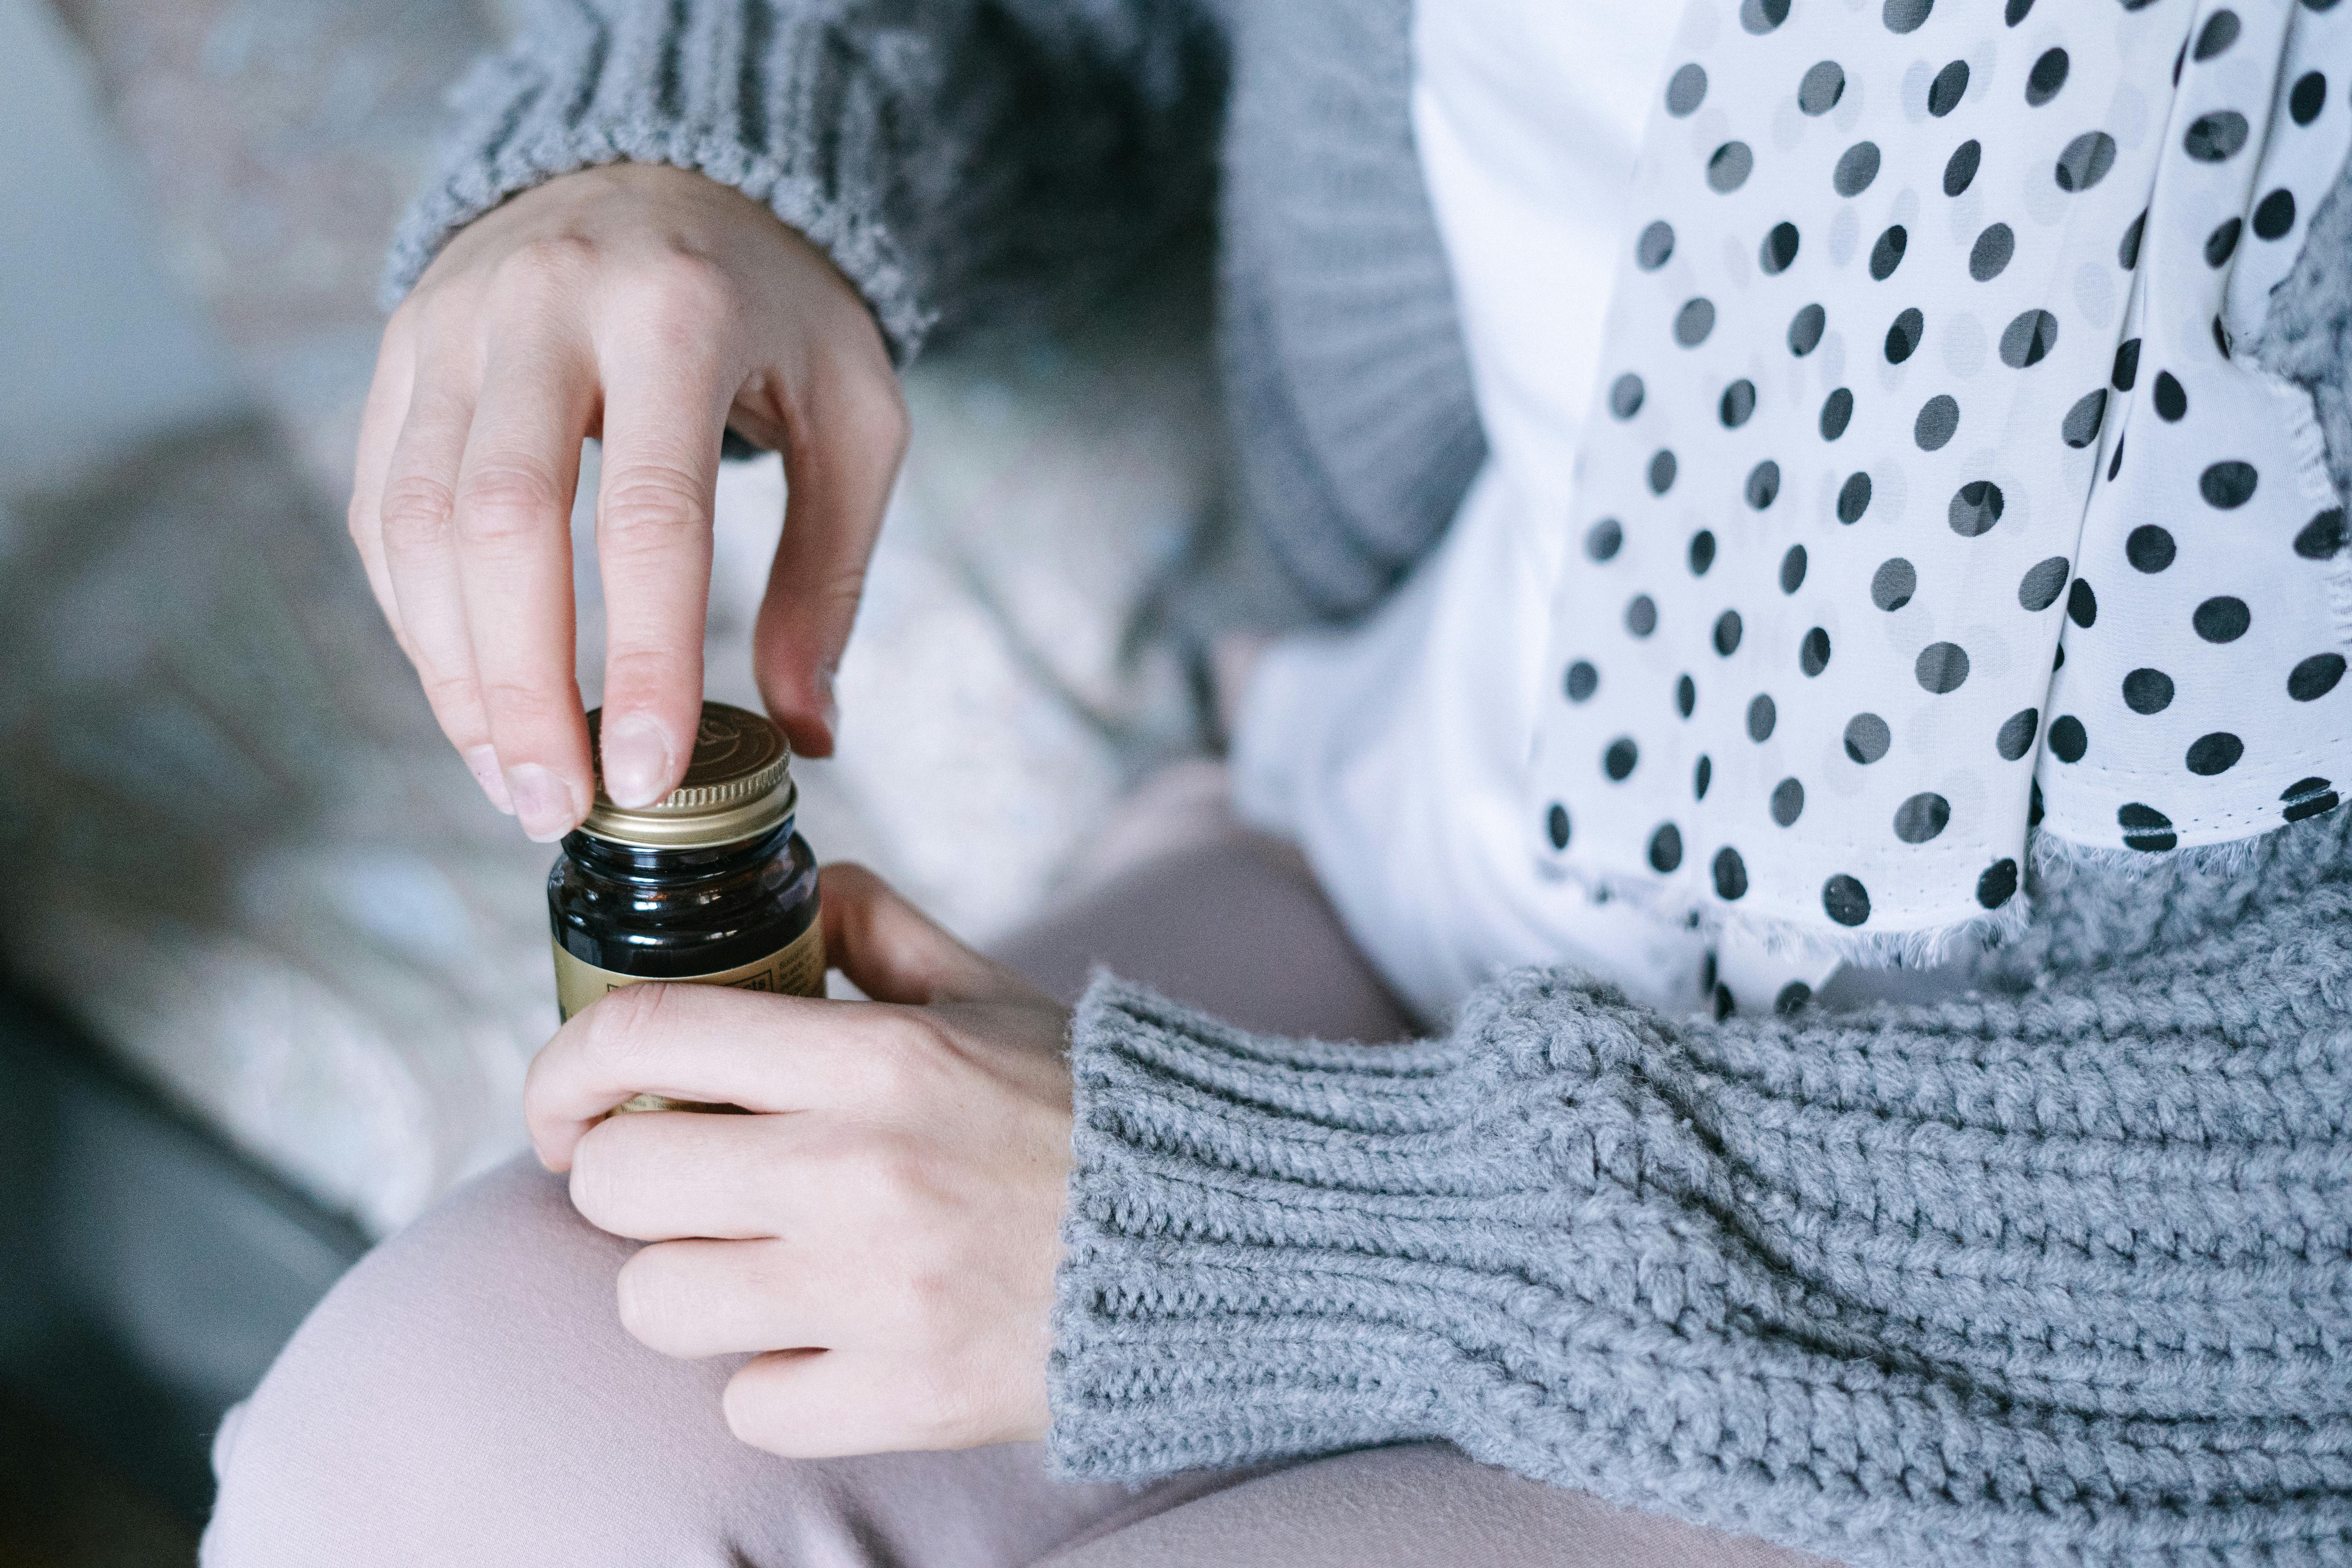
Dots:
pixel 417 510
pixel 892 1170
pixel 904 1060
pixel 683 292
pixel 527 704
pixel 648 502
pixel 613 1038
pixel 544 266
pixel 453 696
pixel 653 678
pixel 507 501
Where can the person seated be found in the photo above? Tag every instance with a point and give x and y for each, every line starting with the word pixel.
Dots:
pixel 1809 1017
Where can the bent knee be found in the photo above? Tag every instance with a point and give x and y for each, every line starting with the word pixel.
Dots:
pixel 464 1393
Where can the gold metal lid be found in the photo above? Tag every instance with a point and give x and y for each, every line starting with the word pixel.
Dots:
pixel 737 786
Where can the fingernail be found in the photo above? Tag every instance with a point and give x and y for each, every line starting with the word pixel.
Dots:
pixel 542 803
pixel 637 761
pixel 483 762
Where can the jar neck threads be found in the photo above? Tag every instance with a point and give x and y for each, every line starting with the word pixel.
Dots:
pixel 637 863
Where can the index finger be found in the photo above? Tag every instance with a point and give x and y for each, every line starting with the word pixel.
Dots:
pixel 707 1044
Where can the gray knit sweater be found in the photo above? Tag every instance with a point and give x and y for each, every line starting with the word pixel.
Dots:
pixel 2061 1271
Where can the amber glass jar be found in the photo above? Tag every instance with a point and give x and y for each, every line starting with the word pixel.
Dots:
pixel 711 886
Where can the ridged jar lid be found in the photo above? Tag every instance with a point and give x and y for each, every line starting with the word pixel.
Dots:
pixel 737 786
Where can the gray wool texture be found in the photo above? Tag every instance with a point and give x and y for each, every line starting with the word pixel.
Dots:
pixel 2060 1271
pixel 2057 1272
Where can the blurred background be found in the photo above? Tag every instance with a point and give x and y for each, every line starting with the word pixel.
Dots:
pixel 270 969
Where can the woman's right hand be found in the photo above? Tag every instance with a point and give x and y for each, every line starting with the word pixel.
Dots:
pixel 651 308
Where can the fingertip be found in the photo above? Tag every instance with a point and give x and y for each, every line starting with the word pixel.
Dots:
pixel 641 761
pixel 482 761
pixel 809 727
pixel 801 702
pixel 546 804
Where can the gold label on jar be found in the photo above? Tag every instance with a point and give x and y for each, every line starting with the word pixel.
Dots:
pixel 796 969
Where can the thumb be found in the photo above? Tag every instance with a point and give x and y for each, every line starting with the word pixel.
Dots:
pixel 894 952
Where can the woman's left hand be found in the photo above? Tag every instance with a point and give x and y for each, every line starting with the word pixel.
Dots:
pixel 883 1230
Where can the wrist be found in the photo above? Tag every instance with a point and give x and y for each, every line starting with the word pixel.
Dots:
pixel 1219 1302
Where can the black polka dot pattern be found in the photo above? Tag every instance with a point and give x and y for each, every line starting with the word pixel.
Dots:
pixel 2039 587
pixel 1686 91
pixel 2309 796
pixel 1813 653
pixel 1960 168
pixel 1846 899
pixel 1837 413
pixel 2315 678
pixel 1738 403
pixel 1853 497
pixel 1823 86
pixel 1656 247
pixel 2145 828
pixel 1805 330
pixel 2028 339
pixel 1945 92
pixel 2275 215
pixel 1666 848
pixel 2081 426
pixel 1730 167
pixel 1902 335
pixel 2222 618
pixel 1988 258
pixel 1867 738
pixel 1892 586
pixel 2084 160
pixel 2016 736
pixel 2147 690
pixel 1886 252
pixel 2150 547
pixel 1857 166
pixel 1976 506
pixel 1921 817
pixel 1952 238
pixel 2214 138
pixel 2322 536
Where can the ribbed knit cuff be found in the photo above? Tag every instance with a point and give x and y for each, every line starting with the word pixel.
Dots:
pixel 670 85
pixel 1274 1247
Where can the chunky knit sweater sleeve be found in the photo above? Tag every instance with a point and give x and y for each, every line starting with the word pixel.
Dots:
pixel 2058 1274
pixel 950 156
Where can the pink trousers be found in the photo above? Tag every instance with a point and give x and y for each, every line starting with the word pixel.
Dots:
pixel 466 1394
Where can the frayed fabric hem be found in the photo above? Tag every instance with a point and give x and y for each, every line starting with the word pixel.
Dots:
pixel 1931 947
